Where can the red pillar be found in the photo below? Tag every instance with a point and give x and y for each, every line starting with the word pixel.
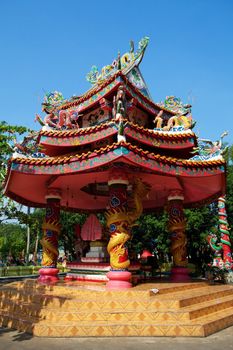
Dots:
pixel 49 242
pixel 177 225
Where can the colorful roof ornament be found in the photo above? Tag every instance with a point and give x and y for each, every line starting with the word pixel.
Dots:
pixel 52 100
pixel 208 149
pixel 182 120
pixel 125 62
pixel 175 105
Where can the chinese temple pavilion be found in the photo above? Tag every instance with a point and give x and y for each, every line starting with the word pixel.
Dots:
pixel 113 149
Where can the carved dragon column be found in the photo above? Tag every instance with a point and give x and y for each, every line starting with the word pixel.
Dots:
pixel 177 225
pixel 118 224
pixel 49 242
pixel 120 219
pixel 224 230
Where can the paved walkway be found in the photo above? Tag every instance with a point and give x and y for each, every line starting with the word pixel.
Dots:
pixel 14 340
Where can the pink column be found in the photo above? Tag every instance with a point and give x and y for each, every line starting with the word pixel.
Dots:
pixel 177 225
pixel 49 242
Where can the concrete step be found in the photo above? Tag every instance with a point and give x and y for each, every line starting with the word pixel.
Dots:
pixel 93 291
pixel 68 293
pixel 61 314
pixel 187 310
pixel 195 296
pixel 202 327
pixel 216 321
pixel 134 301
pixel 209 307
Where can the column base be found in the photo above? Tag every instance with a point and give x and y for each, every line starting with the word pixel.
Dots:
pixel 48 275
pixel 119 280
pixel 180 274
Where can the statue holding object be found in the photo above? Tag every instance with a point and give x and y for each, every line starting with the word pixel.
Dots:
pixel 119 111
pixel 59 119
pixel 215 147
pixel 119 105
pixel 158 121
pixel 207 149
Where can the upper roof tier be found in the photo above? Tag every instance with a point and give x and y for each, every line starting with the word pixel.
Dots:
pixel 119 102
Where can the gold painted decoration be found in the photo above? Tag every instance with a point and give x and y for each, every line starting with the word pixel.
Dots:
pixel 120 220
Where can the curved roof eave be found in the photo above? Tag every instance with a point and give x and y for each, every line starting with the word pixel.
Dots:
pixel 108 154
pixel 29 179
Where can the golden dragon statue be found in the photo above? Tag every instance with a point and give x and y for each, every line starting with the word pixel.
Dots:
pixel 178 241
pixel 119 221
pixel 51 230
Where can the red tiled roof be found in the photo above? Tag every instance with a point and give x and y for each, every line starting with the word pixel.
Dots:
pixel 135 149
pixel 101 86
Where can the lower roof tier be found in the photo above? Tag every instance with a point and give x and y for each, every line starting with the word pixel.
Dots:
pixel 54 142
pixel 83 178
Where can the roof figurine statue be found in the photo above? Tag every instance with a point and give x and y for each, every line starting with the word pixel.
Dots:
pixel 210 149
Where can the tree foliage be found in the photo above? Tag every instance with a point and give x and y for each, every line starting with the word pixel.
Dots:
pixel 12 240
pixel 151 233
pixel 8 135
pixel 200 223
pixel 67 236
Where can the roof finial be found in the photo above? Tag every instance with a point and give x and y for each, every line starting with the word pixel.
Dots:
pixel 119 61
pixel 131 44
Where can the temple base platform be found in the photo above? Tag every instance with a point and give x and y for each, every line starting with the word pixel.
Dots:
pixel 75 309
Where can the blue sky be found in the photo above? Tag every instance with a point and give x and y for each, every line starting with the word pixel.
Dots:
pixel 51 45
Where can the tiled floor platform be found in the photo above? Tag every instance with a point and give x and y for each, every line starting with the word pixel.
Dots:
pixel 75 310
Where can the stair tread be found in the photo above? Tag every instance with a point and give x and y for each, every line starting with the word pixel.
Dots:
pixel 193 307
pixel 196 306
pixel 207 303
pixel 163 287
pixel 202 322
pixel 195 292
pixel 202 288
pixel 215 316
